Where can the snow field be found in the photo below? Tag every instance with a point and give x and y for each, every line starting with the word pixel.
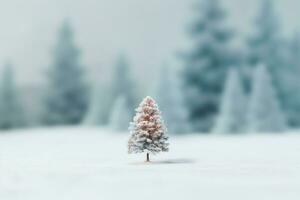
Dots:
pixel 92 163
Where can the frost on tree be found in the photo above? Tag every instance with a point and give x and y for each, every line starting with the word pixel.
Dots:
pixel 148 132
pixel 264 114
pixel 168 94
pixel 231 117
pixel 120 115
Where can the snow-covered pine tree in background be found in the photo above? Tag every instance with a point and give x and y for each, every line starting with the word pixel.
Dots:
pixel 103 99
pixel 292 82
pixel 169 96
pixel 66 96
pixel 120 115
pixel 99 106
pixel 231 118
pixel 11 111
pixel 265 40
pixel 93 115
pixel 148 132
pixel 206 64
pixel 267 46
pixel 122 83
pixel 264 113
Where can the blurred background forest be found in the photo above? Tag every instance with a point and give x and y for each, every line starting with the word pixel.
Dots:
pixel 214 66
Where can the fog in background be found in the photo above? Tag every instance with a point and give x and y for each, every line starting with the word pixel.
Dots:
pixel 149 32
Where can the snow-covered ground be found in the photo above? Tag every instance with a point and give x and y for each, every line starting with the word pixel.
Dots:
pixel 84 163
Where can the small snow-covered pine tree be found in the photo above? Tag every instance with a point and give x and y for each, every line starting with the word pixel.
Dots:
pixel 148 132
pixel 264 114
pixel 231 117
pixel 120 115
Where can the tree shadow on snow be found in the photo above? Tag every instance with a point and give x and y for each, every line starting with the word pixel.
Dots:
pixel 168 162
pixel 174 161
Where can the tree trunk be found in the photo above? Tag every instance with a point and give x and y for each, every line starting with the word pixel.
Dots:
pixel 148 160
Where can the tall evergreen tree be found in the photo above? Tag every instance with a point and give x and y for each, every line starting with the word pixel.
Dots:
pixel 292 82
pixel 206 64
pixel 266 46
pixel 231 118
pixel 66 100
pixel 265 41
pixel 122 84
pixel 264 113
pixel 169 96
pixel 12 115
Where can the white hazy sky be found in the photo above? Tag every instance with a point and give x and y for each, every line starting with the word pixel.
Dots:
pixel 149 31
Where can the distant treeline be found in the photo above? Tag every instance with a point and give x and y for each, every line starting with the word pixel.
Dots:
pixel 220 88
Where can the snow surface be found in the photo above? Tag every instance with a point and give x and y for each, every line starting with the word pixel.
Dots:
pixel 92 163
